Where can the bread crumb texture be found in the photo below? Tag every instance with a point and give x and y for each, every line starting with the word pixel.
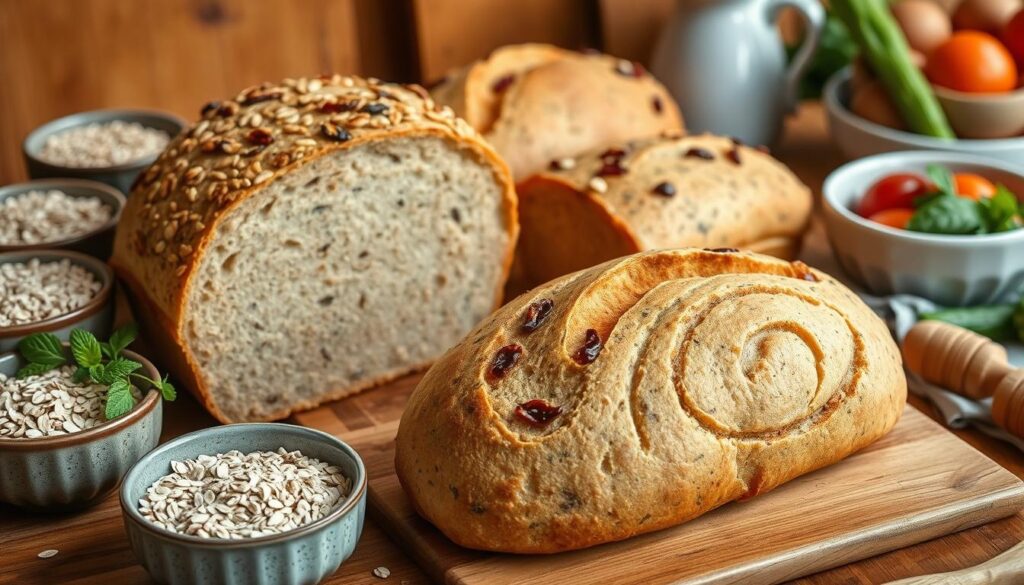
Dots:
pixel 654 388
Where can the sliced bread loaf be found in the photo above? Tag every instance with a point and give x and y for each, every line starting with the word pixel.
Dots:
pixel 535 103
pixel 704 191
pixel 310 239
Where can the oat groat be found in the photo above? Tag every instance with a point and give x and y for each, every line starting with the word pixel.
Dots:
pixel 310 239
pixel 642 393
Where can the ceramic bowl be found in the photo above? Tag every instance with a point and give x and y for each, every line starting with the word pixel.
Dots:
pixel 77 470
pixel 98 242
pixel 984 115
pixel 307 554
pixel 95 316
pixel 950 270
pixel 120 176
pixel 857 137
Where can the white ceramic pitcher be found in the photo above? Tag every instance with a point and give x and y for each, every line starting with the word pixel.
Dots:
pixel 725 63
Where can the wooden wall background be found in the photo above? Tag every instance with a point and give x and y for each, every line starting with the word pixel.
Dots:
pixel 62 56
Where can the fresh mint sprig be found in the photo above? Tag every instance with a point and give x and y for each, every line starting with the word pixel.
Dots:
pixel 102 363
pixel 945 212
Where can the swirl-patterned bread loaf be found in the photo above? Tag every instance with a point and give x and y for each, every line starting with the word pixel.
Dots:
pixel 642 393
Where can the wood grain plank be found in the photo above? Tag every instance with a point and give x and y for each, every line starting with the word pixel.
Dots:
pixel 452 33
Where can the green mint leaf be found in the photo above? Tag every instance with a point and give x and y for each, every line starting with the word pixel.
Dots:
pixel 81 375
pixel 167 390
pixel 85 348
pixel 948 214
pixel 942 178
pixel 96 373
pixel 122 338
pixel 33 370
pixel 119 399
pixel 1000 211
pixel 42 348
pixel 105 348
pixel 119 367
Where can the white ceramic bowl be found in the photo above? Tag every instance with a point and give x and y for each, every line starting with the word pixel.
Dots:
pixel 857 137
pixel 950 270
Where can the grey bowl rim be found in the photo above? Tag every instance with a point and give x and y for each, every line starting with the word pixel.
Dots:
pixel 139 412
pixel 106 115
pixel 830 97
pixel 94 305
pixel 131 512
pixel 15 189
pixel 828 194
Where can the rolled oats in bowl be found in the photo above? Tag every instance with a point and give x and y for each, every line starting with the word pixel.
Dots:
pixel 49 404
pixel 39 216
pixel 235 496
pixel 103 144
pixel 34 291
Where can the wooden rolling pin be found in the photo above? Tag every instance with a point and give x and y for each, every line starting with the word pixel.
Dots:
pixel 1005 569
pixel 969 364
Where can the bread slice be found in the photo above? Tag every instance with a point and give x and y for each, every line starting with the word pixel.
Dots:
pixel 703 191
pixel 641 393
pixel 535 103
pixel 311 239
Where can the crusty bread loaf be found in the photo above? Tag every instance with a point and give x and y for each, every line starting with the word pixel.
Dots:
pixel 535 103
pixel 641 393
pixel 310 239
pixel 703 191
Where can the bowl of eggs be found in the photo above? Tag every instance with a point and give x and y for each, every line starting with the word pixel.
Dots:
pixel 972 64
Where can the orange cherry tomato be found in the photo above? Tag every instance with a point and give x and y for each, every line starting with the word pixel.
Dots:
pixel 973 186
pixel 972 61
pixel 894 218
pixel 1013 37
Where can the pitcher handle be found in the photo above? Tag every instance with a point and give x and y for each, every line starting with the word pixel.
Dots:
pixel 813 15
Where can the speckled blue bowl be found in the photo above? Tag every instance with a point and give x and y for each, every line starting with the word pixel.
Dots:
pixel 77 470
pixel 307 554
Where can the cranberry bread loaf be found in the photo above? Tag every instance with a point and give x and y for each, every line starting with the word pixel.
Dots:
pixel 535 103
pixel 642 393
pixel 307 240
pixel 703 191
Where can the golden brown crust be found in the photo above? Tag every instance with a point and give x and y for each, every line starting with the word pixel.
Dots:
pixel 704 191
pixel 242 145
pixel 535 103
pixel 719 376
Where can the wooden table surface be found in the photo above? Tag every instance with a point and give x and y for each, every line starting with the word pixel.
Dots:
pixel 104 558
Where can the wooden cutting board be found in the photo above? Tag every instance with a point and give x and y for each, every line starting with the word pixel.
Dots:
pixel 917 483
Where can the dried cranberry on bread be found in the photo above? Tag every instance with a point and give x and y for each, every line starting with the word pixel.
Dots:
pixel 666 192
pixel 536 102
pixel 310 239
pixel 642 393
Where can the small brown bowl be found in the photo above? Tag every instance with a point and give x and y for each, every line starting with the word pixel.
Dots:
pixel 96 316
pixel 98 242
pixel 983 115
pixel 77 470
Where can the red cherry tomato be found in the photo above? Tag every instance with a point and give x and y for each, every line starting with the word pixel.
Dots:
pixel 894 191
pixel 1013 37
pixel 971 186
pixel 895 218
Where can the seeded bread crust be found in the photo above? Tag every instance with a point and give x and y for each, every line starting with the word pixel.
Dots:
pixel 238 148
pixel 718 376
pixel 536 102
pixel 667 192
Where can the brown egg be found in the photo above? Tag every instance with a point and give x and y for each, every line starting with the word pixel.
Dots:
pixel 925 24
pixel 872 103
pixel 985 15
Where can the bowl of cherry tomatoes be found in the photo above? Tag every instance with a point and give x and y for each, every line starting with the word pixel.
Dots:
pixel 943 226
